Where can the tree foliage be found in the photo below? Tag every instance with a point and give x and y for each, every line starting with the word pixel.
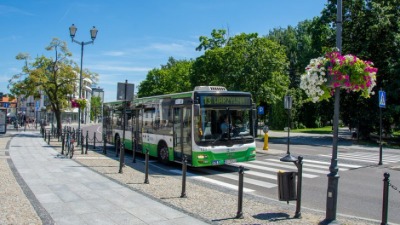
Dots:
pixel 371 30
pixel 55 76
pixel 170 78
pixel 95 107
pixel 270 67
pixel 244 62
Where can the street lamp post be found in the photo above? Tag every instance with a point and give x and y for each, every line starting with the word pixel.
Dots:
pixel 93 34
pixel 333 176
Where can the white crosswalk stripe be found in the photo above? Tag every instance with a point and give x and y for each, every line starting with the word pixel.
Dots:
pixel 263 173
pixel 370 157
pixel 212 181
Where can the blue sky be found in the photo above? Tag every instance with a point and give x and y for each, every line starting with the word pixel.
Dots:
pixel 134 36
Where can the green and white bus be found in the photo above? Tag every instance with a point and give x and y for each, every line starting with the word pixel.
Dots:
pixel 186 124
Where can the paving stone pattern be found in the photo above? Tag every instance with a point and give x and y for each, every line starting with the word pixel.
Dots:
pixel 207 202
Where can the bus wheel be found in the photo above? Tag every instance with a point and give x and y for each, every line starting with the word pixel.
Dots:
pixel 163 153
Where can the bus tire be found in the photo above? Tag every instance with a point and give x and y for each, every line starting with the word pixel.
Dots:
pixel 163 153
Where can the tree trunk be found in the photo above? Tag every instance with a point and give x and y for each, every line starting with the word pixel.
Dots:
pixel 57 114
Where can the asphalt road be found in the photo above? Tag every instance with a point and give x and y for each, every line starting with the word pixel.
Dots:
pixel 360 187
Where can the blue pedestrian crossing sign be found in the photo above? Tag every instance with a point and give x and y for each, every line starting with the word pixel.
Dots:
pixel 260 110
pixel 382 99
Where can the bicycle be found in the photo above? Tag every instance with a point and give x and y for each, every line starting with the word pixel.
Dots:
pixel 70 146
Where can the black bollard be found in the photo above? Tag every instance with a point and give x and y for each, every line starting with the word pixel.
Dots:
pixel 62 143
pixel 134 147
pixel 385 203
pixel 78 137
pixel 48 140
pixel 82 142
pixel 239 214
pixel 104 144
pixel 184 169
pixel 121 160
pixel 146 177
pixel 87 141
pixel 299 165
pixel 117 147
pixel 45 135
pixel 94 141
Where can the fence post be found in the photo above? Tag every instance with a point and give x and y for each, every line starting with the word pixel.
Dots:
pixel 385 204
pixel 184 169
pixel 239 214
pixel 146 177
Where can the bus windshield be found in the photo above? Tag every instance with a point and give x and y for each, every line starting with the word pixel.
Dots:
pixel 221 125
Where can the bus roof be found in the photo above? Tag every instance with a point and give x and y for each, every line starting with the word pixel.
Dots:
pixel 197 89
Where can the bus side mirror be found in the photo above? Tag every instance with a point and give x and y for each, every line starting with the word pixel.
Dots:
pixel 196 109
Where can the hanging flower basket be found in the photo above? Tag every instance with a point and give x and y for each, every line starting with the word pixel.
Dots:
pixel 78 103
pixel 324 74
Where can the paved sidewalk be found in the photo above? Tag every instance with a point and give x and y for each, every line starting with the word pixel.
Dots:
pixel 73 194
pixel 89 190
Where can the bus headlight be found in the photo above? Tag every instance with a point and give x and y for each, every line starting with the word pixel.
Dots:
pixel 253 152
pixel 202 157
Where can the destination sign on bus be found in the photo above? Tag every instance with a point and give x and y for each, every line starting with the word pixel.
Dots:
pixel 225 100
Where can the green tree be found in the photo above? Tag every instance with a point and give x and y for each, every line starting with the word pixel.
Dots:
pixel 95 108
pixel 371 30
pixel 56 77
pixel 170 78
pixel 297 42
pixel 244 62
pixel 218 40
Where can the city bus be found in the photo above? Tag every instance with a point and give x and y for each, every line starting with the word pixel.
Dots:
pixel 173 126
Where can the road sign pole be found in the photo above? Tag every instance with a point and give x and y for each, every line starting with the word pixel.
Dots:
pixel 380 136
pixel 382 104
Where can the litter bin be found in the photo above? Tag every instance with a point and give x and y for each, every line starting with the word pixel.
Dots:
pixel 287 186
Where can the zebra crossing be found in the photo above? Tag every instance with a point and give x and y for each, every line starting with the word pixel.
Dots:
pixel 263 173
pixel 367 157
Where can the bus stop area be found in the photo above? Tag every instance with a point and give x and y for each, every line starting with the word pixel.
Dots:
pixel 38 185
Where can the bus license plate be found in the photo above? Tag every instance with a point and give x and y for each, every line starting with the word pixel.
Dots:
pixel 230 161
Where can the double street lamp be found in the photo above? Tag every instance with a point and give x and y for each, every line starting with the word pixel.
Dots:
pixel 93 34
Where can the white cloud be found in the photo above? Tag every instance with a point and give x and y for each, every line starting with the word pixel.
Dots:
pixel 181 48
pixel 167 47
pixel 105 67
pixel 114 53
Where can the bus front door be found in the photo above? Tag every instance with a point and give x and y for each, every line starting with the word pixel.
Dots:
pixel 182 133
